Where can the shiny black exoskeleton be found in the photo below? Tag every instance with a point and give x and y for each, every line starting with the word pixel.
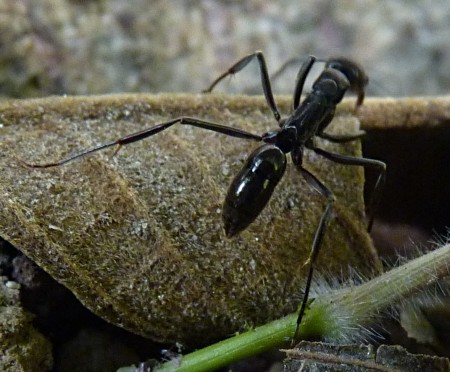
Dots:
pixel 253 186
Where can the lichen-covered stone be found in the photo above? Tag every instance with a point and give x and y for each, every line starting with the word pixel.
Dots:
pixel 22 348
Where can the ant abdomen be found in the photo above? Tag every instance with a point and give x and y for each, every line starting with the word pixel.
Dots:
pixel 252 188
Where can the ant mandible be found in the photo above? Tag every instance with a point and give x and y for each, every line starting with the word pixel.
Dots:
pixel 253 186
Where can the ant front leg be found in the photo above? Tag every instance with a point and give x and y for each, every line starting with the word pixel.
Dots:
pixel 265 80
pixel 301 78
pixel 184 120
pixel 341 138
pixel 320 231
pixel 336 138
pixel 364 162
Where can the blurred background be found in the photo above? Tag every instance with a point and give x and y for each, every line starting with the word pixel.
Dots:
pixel 75 47
pixel 104 46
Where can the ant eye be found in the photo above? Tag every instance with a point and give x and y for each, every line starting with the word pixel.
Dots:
pixel 327 87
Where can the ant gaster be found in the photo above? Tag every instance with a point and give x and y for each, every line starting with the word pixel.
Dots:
pixel 253 186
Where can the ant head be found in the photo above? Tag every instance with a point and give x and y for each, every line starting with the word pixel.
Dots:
pixel 355 74
pixel 331 84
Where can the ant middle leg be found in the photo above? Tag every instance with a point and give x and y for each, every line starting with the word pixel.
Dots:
pixel 317 242
pixel 364 162
pixel 265 80
pixel 134 137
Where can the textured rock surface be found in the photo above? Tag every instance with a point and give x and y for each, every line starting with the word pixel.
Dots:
pixel 23 349
pixel 92 47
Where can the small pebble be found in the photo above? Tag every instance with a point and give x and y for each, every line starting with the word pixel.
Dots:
pixel 12 285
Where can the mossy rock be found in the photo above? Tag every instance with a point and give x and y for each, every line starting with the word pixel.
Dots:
pixel 22 348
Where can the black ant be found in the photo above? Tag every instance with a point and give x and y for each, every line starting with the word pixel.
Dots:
pixel 253 186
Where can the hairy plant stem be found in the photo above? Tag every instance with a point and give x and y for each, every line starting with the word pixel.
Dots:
pixel 334 315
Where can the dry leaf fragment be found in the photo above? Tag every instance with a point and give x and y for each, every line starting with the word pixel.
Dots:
pixel 139 238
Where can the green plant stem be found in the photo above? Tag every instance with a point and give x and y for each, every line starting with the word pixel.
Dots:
pixel 333 315
pixel 239 347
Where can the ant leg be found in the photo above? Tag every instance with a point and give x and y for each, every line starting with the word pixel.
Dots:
pixel 301 78
pixel 341 138
pixel 265 80
pixel 320 232
pixel 229 131
pixel 364 162
pixel 285 66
